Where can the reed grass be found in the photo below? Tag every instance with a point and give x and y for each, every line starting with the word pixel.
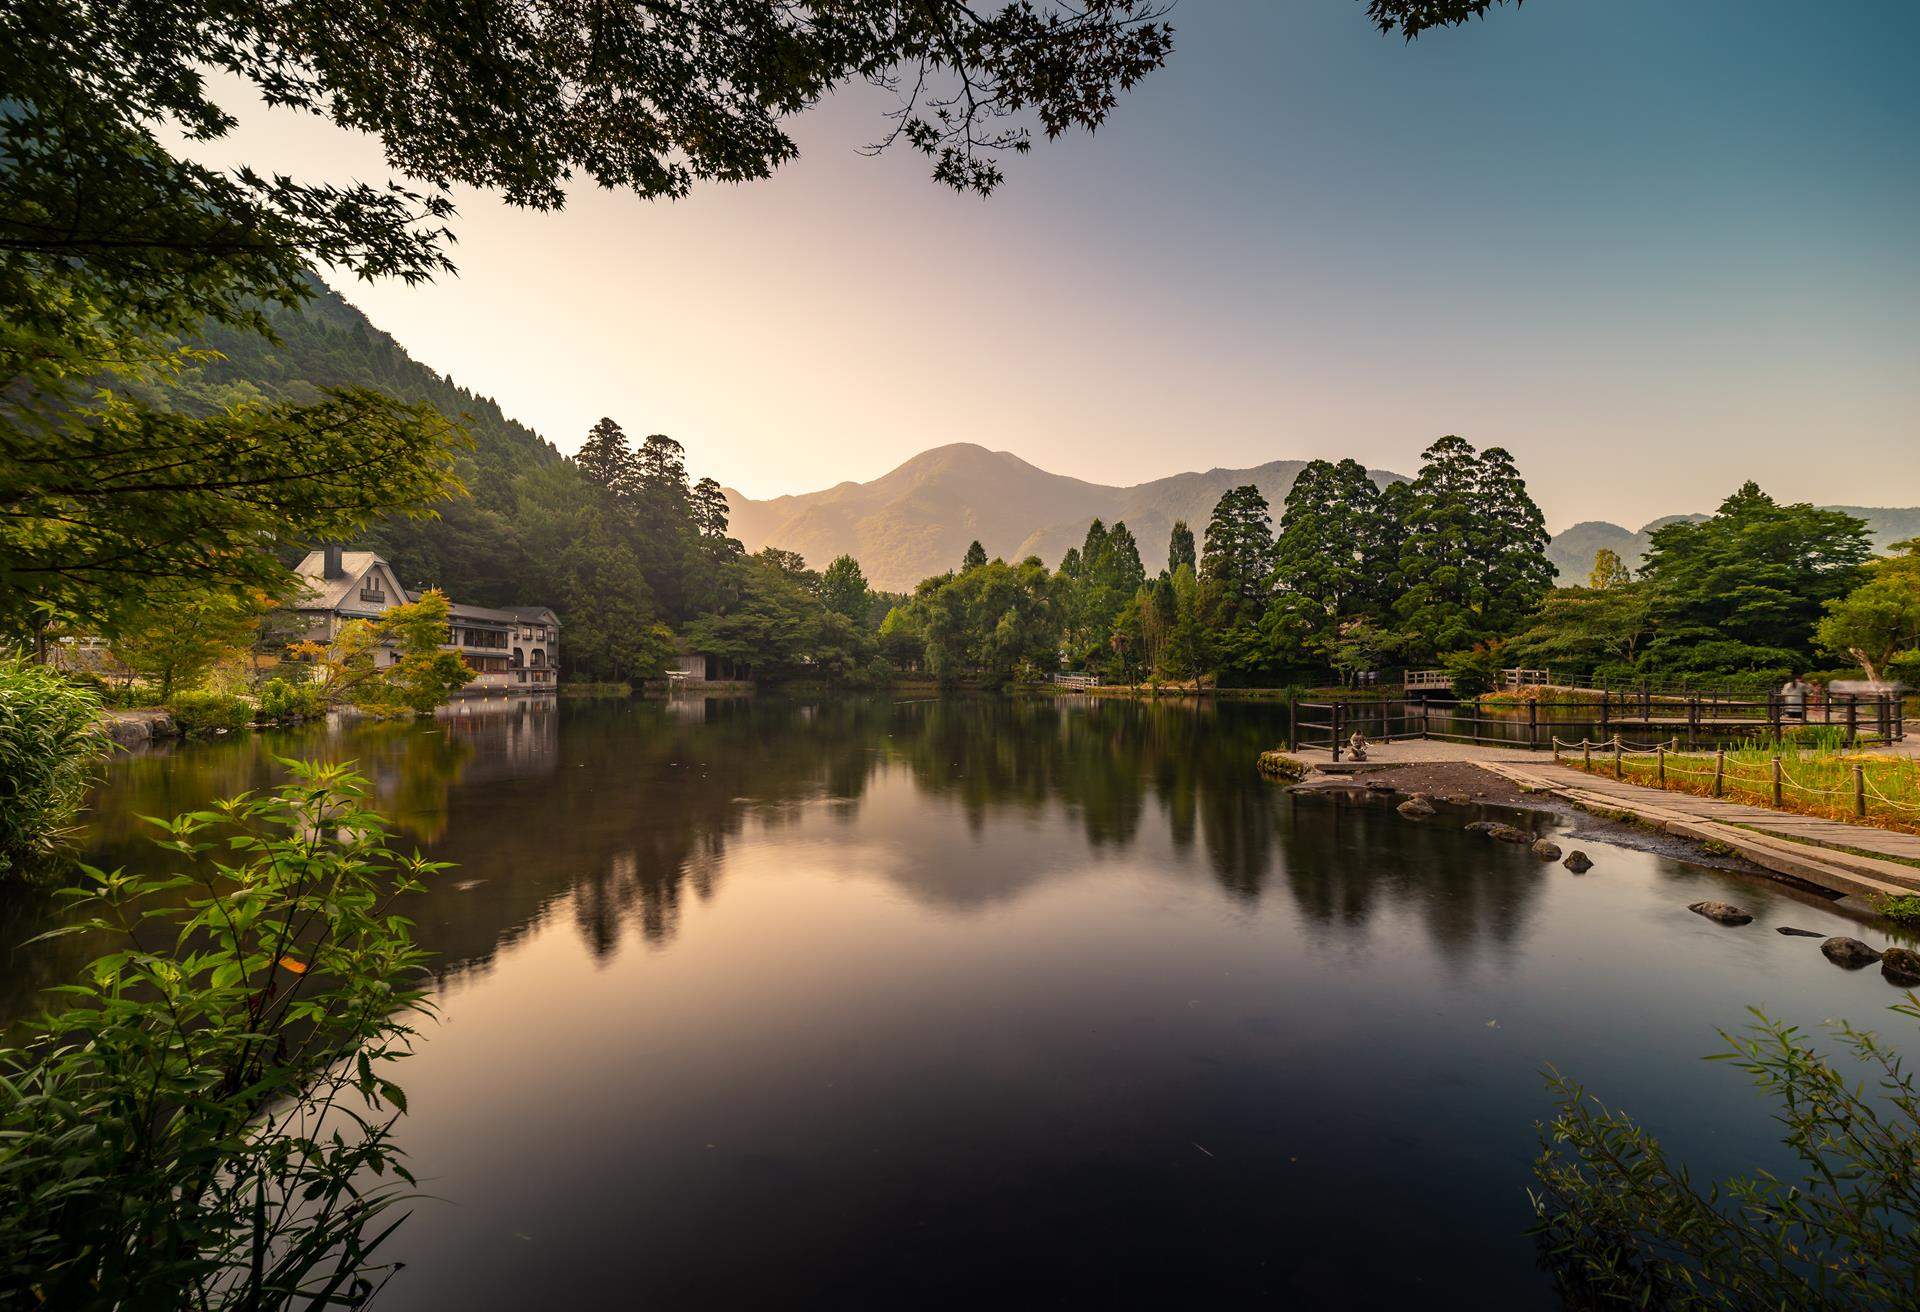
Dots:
pixel 1816 777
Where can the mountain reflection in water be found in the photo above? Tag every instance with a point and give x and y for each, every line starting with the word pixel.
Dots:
pixel 777 1002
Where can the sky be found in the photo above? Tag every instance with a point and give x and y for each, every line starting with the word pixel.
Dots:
pixel 1653 248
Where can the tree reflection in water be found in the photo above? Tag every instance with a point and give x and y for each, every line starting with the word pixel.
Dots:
pixel 626 811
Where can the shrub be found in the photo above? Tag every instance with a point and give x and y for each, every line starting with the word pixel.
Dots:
pixel 1621 1225
pixel 1474 672
pixel 49 738
pixel 1903 910
pixel 208 1123
pixel 200 713
pixel 281 702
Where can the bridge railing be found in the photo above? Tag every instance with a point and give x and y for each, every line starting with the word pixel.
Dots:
pixel 1329 725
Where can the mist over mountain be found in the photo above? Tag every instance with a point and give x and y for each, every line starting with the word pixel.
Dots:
pixel 917 520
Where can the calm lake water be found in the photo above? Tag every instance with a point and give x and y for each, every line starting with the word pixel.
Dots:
pixel 923 1003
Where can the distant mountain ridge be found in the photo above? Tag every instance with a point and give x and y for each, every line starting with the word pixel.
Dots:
pixel 1572 549
pixel 917 520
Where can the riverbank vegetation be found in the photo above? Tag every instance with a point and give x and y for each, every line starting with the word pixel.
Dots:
pixel 49 737
pixel 207 1120
pixel 1815 775
pixel 1622 1223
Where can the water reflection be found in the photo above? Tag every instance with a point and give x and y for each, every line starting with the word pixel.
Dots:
pixel 626 811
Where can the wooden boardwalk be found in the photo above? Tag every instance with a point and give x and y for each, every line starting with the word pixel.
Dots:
pixel 1805 847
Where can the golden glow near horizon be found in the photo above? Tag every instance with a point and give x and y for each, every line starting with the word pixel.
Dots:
pixel 1650 277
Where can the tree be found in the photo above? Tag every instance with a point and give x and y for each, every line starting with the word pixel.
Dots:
pixel 183 632
pixel 1879 620
pixel 710 512
pixel 418 675
pixel 607 459
pixel 976 556
pixel 101 504
pixel 844 591
pixel 1609 571
pixel 1180 549
pixel 1473 560
pixel 1239 553
pixel 1746 588
pixel 1587 630
pixel 1329 530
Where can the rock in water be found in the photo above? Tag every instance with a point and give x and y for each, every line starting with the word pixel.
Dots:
pixel 1724 913
pixel 1791 932
pixel 1415 808
pixel 1482 827
pixel 1578 862
pixel 1502 833
pixel 1901 966
pixel 1546 849
pixel 1849 952
pixel 1278 765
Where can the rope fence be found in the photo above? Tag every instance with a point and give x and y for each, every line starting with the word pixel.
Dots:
pixel 1856 795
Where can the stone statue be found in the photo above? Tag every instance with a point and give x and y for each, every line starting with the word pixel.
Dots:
pixel 1357 746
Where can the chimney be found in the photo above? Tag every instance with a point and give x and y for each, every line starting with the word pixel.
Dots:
pixel 332 569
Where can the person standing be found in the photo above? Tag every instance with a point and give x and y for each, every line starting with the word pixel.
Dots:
pixel 1793 698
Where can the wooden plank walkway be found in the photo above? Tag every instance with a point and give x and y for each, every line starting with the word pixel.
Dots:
pixel 1805 847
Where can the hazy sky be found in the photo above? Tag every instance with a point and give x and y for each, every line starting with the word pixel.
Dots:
pixel 1653 247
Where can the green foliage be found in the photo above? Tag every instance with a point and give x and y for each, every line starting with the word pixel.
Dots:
pixel 391 665
pixel 995 621
pixel 1878 622
pixel 208 1120
pixel 49 739
pixel 1747 587
pixel 1180 548
pixel 1476 670
pixel 1473 548
pixel 1904 910
pixel 1609 571
pixel 179 633
pixel 976 556
pixel 1238 558
pixel 1622 1224
pixel 281 702
pixel 844 590
pixel 200 713
pixel 1333 548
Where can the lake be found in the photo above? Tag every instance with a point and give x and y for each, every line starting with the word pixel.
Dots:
pixel 864 1001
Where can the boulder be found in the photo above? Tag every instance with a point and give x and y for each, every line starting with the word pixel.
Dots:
pixel 138 728
pixel 1578 862
pixel 1901 967
pixel 1416 808
pixel 1278 765
pixel 1483 827
pixel 1791 932
pixel 1724 913
pixel 1546 849
pixel 1848 952
pixel 1509 834
pixel 1456 799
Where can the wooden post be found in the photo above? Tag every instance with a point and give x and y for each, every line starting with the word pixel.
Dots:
pixel 1619 763
pixel 1719 769
pixel 1474 711
pixel 1853 718
pixel 1860 790
pixel 1533 724
pixel 1660 763
pixel 1646 699
pixel 1778 800
pixel 1693 721
pixel 1586 754
pixel 1293 721
pixel 1603 711
pixel 1333 718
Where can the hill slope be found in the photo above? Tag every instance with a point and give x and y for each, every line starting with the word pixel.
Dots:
pixel 917 520
pixel 1572 549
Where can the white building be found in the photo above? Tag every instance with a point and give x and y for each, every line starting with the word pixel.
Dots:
pixel 512 649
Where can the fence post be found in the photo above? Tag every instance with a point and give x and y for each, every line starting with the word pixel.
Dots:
pixel 1773 714
pixel 1293 721
pixel 1853 717
pixel 1886 730
pixel 1476 721
pixel 1619 764
pixel 1646 699
pixel 1533 724
pixel 1693 722
pixel 1603 711
pixel 1586 754
pixel 1777 800
pixel 1719 769
pixel 1660 763
pixel 1333 718
pixel 1860 790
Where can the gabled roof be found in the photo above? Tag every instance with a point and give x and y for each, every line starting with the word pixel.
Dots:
pixel 323 593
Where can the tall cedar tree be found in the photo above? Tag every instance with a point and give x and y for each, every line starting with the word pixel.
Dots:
pixel 1180 548
pixel 1238 558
